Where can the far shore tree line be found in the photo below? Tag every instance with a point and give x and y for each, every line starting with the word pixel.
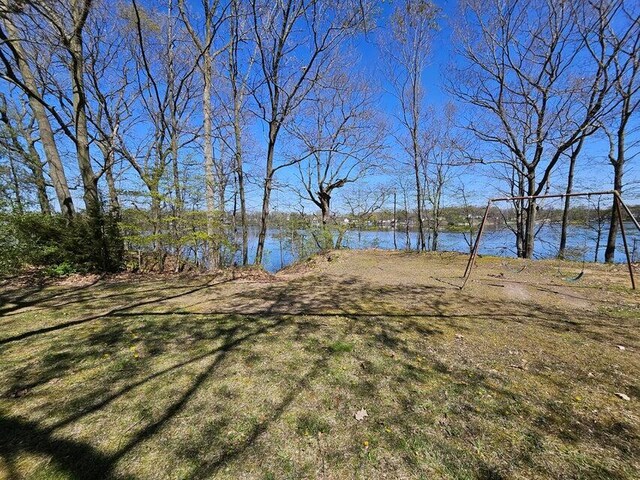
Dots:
pixel 154 124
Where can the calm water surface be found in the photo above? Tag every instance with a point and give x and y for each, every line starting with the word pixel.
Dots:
pixel 280 251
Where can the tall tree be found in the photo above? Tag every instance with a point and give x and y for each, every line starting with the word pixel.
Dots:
pixel 295 40
pixel 111 93
pixel 341 139
pixel 238 73
pixel 18 70
pixel 214 15
pixel 412 26
pixel 625 42
pixel 444 149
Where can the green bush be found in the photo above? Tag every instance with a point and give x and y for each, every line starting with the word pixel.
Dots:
pixel 81 244
pixel 61 270
pixel 11 250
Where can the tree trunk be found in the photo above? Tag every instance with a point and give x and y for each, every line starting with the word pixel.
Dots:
pixel 435 230
pixel 108 155
pixel 421 241
pixel 435 234
pixel 325 200
pixel 610 250
pixel 155 215
pixel 19 204
pixel 241 194
pixel 395 217
pixel 567 200
pixel 212 223
pixel 598 239
pixel 213 256
pixel 177 203
pixel 266 195
pixel 91 198
pixel 114 201
pixel 407 243
pixel 38 179
pixel 530 227
pixel 222 188
pixel 56 170
pixel 565 212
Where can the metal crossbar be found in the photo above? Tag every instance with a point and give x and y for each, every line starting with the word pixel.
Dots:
pixel 617 199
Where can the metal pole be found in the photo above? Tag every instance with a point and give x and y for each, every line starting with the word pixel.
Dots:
pixel 624 241
pixel 558 195
pixel 474 251
pixel 633 219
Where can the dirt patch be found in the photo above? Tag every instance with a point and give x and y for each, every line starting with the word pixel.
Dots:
pixel 78 280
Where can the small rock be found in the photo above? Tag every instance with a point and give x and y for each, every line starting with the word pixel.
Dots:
pixel 623 396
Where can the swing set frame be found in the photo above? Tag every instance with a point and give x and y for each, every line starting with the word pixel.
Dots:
pixel 617 198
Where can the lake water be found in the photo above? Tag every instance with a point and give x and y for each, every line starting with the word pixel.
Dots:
pixel 280 251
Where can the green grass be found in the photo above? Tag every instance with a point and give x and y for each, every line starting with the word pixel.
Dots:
pixel 194 378
pixel 340 347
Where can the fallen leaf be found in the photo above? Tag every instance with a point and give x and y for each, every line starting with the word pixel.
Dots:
pixel 361 414
pixel 623 396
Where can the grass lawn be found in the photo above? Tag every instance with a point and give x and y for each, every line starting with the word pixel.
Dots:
pixel 521 375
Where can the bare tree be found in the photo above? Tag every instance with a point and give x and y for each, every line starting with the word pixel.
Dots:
pixel 295 40
pixel 239 68
pixel 412 27
pixel 443 154
pixel 18 140
pixel 539 73
pixel 626 66
pixel 214 15
pixel 166 91
pixel 18 69
pixel 573 157
pixel 341 139
pixel 67 21
pixel 111 92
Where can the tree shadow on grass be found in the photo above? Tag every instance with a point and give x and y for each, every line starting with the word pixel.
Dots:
pixel 27 297
pixel 74 459
pixel 263 310
pixel 102 315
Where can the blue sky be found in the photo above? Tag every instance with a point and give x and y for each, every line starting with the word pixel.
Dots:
pixel 478 180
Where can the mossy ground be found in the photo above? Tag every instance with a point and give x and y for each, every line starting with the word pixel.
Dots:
pixel 260 377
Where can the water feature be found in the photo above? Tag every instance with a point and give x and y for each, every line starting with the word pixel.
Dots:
pixel 280 251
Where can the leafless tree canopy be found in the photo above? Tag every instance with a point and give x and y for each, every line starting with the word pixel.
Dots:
pixel 181 119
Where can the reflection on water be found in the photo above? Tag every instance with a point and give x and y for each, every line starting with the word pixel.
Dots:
pixel 284 247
